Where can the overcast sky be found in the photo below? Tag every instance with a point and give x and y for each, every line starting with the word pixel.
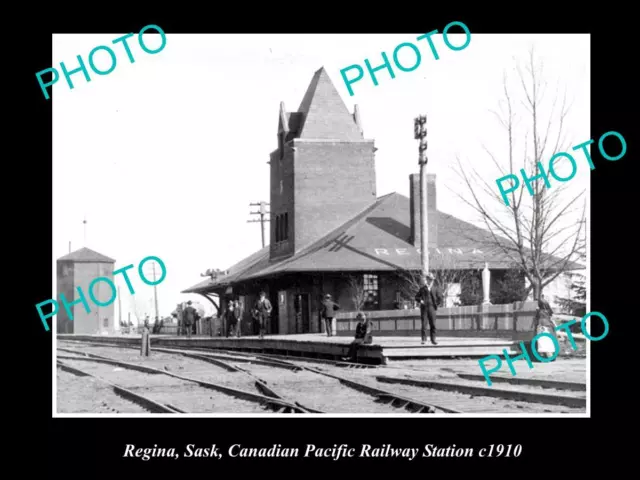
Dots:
pixel 164 155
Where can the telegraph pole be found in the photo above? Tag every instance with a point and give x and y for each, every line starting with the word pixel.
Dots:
pixel 263 216
pixel 119 308
pixel 155 291
pixel 420 133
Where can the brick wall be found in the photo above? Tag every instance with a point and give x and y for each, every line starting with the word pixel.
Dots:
pixel 333 181
pixel 281 202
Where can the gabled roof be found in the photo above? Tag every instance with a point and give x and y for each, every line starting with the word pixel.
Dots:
pixel 86 255
pixel 378 239
pixel 322 114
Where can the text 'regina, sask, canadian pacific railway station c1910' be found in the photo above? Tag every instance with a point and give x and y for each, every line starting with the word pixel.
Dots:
pixel 328 226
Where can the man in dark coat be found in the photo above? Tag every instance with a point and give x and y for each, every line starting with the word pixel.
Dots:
pixel 328 313
pixel 429 297
pixel 261 312
pixel 232 318
pixel 189 318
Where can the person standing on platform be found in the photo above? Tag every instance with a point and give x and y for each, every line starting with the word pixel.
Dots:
pixel 544 324
pixel 261 312
pixel 179 318
pixel 232 319
pixel 328 313
pixel 429 297
pixel 189 318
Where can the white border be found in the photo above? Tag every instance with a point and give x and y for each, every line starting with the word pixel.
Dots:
pixel 54 340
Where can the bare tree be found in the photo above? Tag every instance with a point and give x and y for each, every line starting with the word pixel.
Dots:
pixel 448 271
pixel 356 286
pixel 538 232
pixel 137 310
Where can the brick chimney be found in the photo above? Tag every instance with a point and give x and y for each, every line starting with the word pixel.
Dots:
pixel 414 207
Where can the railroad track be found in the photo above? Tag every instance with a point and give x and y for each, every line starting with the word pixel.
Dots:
pixel 391 402
pixel 269 402
pixel 390 399
pixel 460 393
pixel 145 402
pixel 473 389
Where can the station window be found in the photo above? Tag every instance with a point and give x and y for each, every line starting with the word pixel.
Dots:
pixel 282 227
pixel 281 144
pixel 105 323
pixel 371 292
pixel 285 235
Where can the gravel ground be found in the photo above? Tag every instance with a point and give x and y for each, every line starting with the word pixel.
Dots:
pixel 86 395
pixel 318 392
pixel 560 370
pixel 449 377
pixel 179 365
pixel 324 393
pixel 458 401
pixel 186 396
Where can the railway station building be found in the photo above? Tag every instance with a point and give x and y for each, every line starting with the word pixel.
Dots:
pixel 331 233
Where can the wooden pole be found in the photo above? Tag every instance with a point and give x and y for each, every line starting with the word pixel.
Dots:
pixel 420 131
pixel 145 347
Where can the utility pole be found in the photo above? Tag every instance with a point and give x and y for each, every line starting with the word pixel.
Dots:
pixel 420 133
pixel 119 309
pixel 155 291
pixel 263 216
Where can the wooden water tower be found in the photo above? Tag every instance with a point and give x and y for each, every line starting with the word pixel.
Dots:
pixel 79 269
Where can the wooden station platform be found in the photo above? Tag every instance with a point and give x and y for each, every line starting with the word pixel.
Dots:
pixel 318 345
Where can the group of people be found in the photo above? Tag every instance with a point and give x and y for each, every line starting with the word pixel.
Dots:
pixel 260 314
pixel 429 297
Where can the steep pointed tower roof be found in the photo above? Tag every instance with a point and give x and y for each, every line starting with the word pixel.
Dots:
pixel 324 114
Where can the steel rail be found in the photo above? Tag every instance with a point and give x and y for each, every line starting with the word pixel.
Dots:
pixel 415 406
pixel 274 404
pixel 260 384
pixel 517 395
pixel 534 382
pixel 147 403
pixel 397 401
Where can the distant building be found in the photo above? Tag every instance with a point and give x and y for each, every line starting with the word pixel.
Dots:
pixel 329 227
pixel 77 270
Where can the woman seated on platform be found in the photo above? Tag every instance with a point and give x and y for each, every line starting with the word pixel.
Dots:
pixel 363 336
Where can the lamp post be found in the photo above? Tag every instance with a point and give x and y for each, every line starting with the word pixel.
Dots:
pixel 420 133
